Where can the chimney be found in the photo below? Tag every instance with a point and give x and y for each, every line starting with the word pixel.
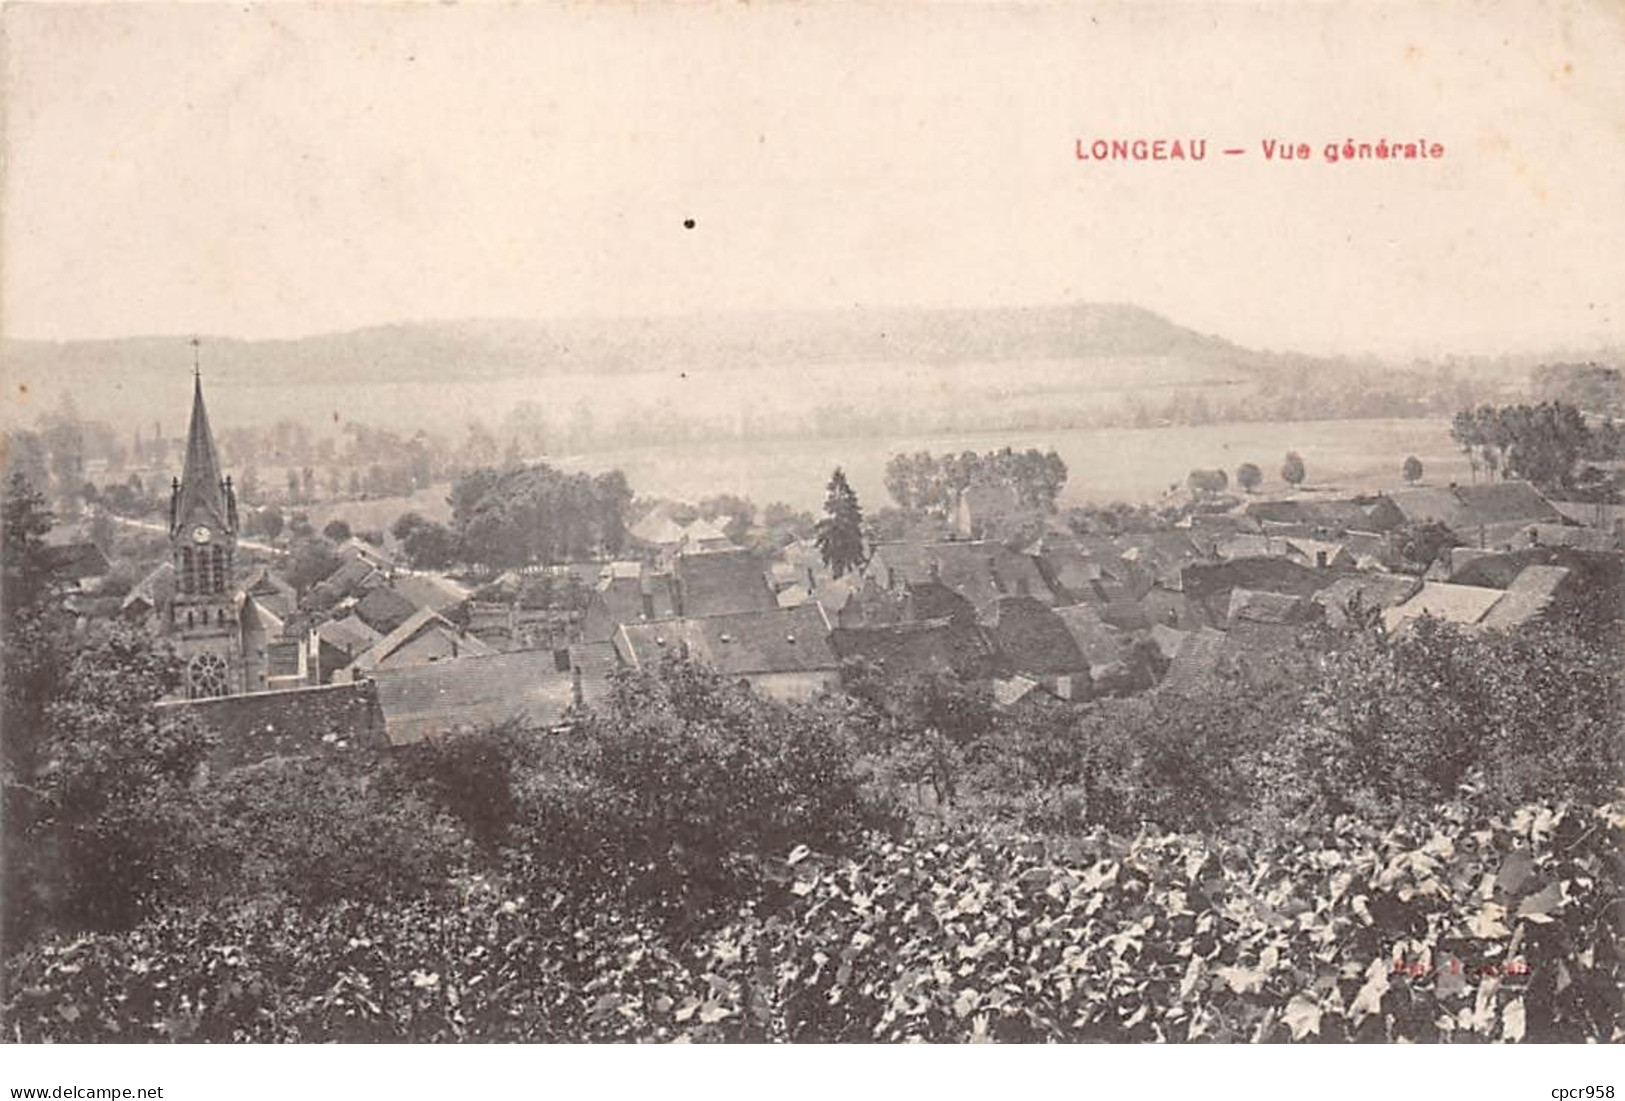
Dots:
pixel 1534 537
pixel 1320 559
pixel 575 685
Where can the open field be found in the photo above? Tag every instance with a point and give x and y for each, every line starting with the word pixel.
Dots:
pixel 1108 464
pixel 1114 464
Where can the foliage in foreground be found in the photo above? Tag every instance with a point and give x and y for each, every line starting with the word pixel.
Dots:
pixel 1446 930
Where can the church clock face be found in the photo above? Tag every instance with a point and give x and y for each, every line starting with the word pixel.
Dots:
pixel 201 535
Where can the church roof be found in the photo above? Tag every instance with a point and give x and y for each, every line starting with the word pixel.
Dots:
pixel 203 496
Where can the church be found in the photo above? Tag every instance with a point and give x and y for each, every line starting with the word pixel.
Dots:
pixel 230 641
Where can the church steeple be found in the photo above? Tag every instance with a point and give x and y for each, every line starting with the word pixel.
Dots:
pixel 203 496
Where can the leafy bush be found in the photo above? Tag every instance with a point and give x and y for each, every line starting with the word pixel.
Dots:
pixel 1444 929
pixel 667 795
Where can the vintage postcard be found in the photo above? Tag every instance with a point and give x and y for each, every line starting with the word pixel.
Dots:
pixel 813 523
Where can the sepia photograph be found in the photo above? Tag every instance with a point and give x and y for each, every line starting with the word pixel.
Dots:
pixel 795 523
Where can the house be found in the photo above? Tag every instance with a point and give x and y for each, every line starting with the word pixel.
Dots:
pixel 703 536
pixel 939 646
pixel 593 665
pixel 1532 593
pixel 1573 535
pixel 783 653
pixel 1263 627
pixel 383 609
pixel 270 660
pixel 658 529
pixel 1464 605
pixel 625 597
pixel 1489 515
pixel 1591 599
pixel 425 637
pixel 431 591
pixel 977 571
pixel 1099 641
pixel 1030 639
pixel 353 578
pixel 357 549
pixel 872 606
pixel 1373 592
pixel 1206 586
pixel 721 583
pixel 992 510
pixel 154 591
pixel 1168 640
pixel 272 593
pixel 1198 660
pixel 337 642
pixel 470 693
pixel 79 565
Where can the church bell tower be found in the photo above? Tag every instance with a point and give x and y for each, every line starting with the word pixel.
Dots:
pixel 203 549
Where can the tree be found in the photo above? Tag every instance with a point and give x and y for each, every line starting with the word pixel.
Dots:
pixel 840 532
pixel 27 563
pixel 426 544
pixel 1292 469
pixel 337 530
pixel 1412 470
pixel 1206 483
pixel 271 521
pixel 1249 477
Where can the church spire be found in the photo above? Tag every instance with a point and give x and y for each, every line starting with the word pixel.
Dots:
pixel 202 496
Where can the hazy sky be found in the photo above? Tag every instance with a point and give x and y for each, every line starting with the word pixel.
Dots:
pixel 278 170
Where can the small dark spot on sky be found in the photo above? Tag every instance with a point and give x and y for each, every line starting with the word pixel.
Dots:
pixel 688 223
pixel 22 387
pixel 335 416
pixel 682 374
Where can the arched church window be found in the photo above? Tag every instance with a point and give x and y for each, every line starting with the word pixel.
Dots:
pixel 188 575
pixel 219 557
pixel 189 620
pixel 205 677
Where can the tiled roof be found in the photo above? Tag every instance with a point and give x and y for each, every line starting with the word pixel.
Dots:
pixel 783 640
pixel 419 623
pixel 1252 606
pixel 659 529
pixel 978 571
pixel 1031 638
pixel 1507 502
pixel 153 590
pixel 1528 597
pixel 472 693
pixel 76 561
pixel 383 609
pixel 1099 641
pixel 348 633
pixel 254 616
pixel 1010 691
pixel 597 662
pixel 722 583
pixel 1168 640
pixel 427 590
pixel 1374 590
pixel 1196 660
pixel 1464 509
pixel 1462 604
pixel 937 646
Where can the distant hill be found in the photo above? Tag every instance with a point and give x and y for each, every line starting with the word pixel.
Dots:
pixel 499 349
